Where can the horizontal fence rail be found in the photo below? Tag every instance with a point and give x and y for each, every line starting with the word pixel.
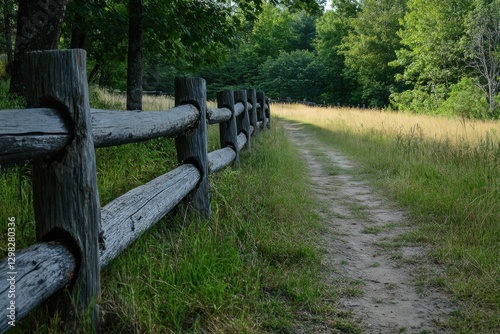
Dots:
pixel 59 133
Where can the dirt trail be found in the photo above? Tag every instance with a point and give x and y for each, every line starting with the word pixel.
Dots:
pixel 363 254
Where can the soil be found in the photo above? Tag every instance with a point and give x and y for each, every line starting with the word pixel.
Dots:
pixel 365 253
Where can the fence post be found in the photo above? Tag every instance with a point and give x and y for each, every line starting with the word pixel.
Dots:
pixel 243 121
pixel 267 112
pixel 192 146
pixel 252 98
pixel 228 130
pixel 65 193
pixel 261 98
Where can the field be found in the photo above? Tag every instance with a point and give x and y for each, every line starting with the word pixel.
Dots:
pixel 252 268
pixel 447 172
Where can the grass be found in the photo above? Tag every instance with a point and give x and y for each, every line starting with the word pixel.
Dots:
pixel 447 172
pixel 253 268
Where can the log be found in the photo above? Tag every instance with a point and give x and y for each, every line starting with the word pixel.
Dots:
pixel 228 130
pixel 40 271
pixel 219 159
pixel 65 196
pixel 252 109
pixel 192 147
pixel 267 112
pixel 242 140
pixel 218 115
pixel 261 113
pixel 243 122
pixel 31 133
pixel 239 108
pixel 128 216
pixel 120 127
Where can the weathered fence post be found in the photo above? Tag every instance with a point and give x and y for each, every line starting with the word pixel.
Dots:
pixel 228 130
pixel 243 121
pixel 267 112
pixel 192 146
pixel 65 193
pixel 261 98
pixel 252 98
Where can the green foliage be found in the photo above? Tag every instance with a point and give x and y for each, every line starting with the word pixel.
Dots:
pixel 466 100
pixel 482 47
pixel 292 75
pixel 419 100
pixel 331 29
pixel 370 46
pixel 430 38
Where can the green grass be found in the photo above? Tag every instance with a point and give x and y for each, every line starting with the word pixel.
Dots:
pixel 453 192
pixel 253 268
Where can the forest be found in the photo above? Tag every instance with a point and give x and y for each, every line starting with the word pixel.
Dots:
pixel 421 56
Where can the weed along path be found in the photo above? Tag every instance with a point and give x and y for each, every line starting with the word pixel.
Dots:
pixel 366 255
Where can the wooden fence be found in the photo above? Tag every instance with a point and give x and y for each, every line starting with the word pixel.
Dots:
pixel 59 132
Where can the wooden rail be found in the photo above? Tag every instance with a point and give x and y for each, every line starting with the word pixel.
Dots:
pixel 59 132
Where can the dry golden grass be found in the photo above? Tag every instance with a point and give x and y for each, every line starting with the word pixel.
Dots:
pixel 149 102
pixel 439 128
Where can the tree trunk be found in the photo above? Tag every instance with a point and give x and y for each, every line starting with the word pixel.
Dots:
pixel 134 68
pixel 38 28
pixel 78 33
pixel 7 8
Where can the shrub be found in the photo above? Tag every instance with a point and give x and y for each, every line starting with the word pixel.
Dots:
pixel 466 100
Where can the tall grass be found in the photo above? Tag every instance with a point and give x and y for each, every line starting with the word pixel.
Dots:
pixel 252 268
pixel 447 171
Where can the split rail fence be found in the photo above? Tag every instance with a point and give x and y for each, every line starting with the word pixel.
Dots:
pixel 59 132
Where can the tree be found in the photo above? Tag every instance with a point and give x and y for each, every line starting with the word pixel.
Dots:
pixel 293 75
pixel 371 45
pixel 331 29
pixel 302 31
pixel 134 60
pixel 38 28
pixel 8 14
pixel 431 52
pixel 483 46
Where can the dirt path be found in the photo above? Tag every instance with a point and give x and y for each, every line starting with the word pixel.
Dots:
pixel 365 254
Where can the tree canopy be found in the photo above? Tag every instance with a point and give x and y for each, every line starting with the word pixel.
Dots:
pixel 412 55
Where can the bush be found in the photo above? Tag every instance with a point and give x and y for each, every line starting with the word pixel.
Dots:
pixel 418 101
pixel 466 100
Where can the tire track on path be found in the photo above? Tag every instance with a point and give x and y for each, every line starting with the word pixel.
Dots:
pixel 366 254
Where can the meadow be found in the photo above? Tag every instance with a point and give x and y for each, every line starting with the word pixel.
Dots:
pixel 253 268
pixel 446 171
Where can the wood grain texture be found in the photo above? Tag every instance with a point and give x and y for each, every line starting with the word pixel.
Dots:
pixel 239 108
pixel 228 130
pixel 40 271
pixel 267 112
pixel 252 109
pixel 192 146
pixel 242 140
pixel 127 217
pixel 218 115
pixel 112 128
pixel 221 158
pixel 243 121
pixel 31 133
pixel 65 196
pixel 261 113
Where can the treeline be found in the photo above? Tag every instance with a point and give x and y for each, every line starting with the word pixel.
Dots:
pixel 425 56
